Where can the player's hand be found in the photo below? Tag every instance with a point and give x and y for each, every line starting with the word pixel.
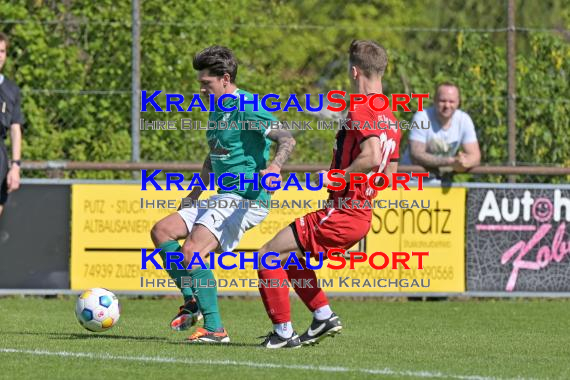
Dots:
pixel 270 181
pixel 13 178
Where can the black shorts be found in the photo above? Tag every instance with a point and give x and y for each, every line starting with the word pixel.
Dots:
pixel 4 162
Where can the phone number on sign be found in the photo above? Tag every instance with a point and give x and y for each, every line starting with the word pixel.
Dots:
pixel 432 272
pixel 119 271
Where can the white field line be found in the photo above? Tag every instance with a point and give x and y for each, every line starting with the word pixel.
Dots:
pixel 316 368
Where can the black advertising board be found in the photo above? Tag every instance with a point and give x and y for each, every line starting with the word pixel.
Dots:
pixel 517 239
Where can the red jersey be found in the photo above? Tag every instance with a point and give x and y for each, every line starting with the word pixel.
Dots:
pixel 364 123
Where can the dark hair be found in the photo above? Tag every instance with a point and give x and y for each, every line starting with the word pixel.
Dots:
pixel 450 84
pixel 369 56
pixel 4 37
pixel 219 60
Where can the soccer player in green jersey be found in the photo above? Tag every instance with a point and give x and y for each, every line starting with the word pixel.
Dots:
pixel 232 150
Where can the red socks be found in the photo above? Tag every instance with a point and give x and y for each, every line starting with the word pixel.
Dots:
pixel 313 297
pixel 276 295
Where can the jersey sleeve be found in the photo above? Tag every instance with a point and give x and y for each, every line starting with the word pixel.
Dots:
pixel 258 120
pixel 388 137
pixel 17 116
pixel 358 119
pixel 11 107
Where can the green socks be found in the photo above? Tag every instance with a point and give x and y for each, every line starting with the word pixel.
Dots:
pixel 206 293
pixel 203 288
pixel 175 273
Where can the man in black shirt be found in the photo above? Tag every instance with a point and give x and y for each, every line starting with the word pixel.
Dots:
pixel 11 122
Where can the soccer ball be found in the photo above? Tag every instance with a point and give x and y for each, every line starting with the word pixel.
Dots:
pixel 97 309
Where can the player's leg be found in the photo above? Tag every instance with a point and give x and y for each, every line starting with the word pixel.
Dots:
pixel 216 229
pixel 165 235
pixel 170 228
pixel 312 295
pixel 314 233
pixel 325 321
pixel 276 298
pixel 3 175
pixel 203 241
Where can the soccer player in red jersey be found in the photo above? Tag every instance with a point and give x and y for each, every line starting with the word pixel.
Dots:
pixel 358 149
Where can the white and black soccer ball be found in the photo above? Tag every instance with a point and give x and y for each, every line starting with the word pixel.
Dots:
pixel 97 309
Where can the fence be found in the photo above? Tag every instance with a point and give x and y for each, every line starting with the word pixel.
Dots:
pixel 80 66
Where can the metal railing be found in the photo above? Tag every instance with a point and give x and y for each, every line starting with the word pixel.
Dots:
pixel 195 166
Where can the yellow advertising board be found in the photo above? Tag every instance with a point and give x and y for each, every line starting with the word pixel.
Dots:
pixel 438 229
pixel 111 224
pixel 108 230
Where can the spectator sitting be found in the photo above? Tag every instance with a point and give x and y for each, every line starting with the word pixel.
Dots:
pixel 437 148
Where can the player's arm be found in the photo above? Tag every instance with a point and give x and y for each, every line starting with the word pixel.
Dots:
pixel 470 157
pixel 16 123
pixel 285 145
pixel 284 139
pixel 392 167
pixel 13 178
pixel 369 158
pixel 420 156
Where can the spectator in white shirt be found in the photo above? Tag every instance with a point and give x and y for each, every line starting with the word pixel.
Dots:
pixel 438 148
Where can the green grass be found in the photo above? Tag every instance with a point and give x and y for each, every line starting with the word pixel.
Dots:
pixel 446 339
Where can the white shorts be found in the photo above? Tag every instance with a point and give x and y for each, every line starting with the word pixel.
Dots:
pixel 228 224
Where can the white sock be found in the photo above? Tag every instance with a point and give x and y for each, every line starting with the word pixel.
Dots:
pixel 322 313
pixel 285 330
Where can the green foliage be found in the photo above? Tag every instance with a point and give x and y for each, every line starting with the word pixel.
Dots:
pixel 283 47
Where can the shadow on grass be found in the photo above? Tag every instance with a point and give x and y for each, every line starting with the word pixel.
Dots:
pixel 231 344
pixel 92 336
pixel 55 335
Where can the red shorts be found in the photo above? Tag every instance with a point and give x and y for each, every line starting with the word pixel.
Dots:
pixel 326 229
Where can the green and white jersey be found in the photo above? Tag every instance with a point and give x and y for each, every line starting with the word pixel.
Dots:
pixel 240 147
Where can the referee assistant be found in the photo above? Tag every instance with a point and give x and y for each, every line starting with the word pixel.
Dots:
pixel 11 122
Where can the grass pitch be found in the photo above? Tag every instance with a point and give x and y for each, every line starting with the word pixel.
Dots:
pixel 40 338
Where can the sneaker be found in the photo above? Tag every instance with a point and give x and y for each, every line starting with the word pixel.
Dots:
pixel 188 315
pixel 274 340
pixel 321 329
pixel 204 336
